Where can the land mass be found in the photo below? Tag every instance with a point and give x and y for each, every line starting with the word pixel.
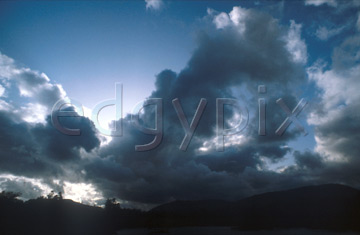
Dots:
pixel 328 207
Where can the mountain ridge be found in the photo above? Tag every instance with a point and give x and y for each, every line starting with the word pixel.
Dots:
pixel 329 206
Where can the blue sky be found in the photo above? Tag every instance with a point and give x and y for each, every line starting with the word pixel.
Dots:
pixel 125 42
pixel 122 42
pixel 80 49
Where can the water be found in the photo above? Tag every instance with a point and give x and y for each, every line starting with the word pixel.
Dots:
pixel 225 231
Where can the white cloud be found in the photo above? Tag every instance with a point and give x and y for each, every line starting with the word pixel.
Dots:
pixel 6 66
pixel 294 44
pixel 40 93
pixel 28 187
pixel 235 18
pixel 324 33
pixel 338 88
pixel 222 20
pixel 5 105
pixel 238 16
pixel 32 188
pixel 331 3
pixel 2 90
pixel 153 4
pixel 358 22
pixel 335 114
pixel 33 113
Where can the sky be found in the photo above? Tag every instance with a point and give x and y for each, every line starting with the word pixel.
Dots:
pixel 191 50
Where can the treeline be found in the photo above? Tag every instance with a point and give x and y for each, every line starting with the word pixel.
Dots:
pixel 54 215
pixel 329 207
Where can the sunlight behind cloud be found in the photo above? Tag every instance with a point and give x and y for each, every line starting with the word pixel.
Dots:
pixel 82 192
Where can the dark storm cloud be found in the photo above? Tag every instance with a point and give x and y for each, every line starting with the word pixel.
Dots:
pixel 343 132
pixel 62 147
pixel 17 147
pixel 227 63
pixel 224 64
pixel 308 160
pixel 340 139
pixel 40 150
pixel 234 161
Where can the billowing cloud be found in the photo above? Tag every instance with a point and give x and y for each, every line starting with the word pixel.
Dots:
pixel 25 84
pixel 235 18
pixel 235 58
pixel 239 51
pixel 308 160
pixel 33 153
pixel 221 20
pixel 336 117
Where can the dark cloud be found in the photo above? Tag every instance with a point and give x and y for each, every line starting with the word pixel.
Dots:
pixel 39 150
pixel 231 161
pixel 18 149
pixel 62 147
pixel 308 160
pixel 225 64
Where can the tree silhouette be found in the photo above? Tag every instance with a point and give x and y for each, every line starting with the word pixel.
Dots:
pixel 11 196
pixel 53 196
pixel 112 205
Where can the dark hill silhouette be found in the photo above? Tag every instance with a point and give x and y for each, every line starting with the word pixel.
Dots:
pixel 334 207
pixel 59 216
pixel 322 207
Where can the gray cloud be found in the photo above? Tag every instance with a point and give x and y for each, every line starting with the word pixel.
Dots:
pixel 308 160
pixel 31 149
pixel 337 118
pixel 230 62
pixel 225 64
pixel 38 150
pixel 324 33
